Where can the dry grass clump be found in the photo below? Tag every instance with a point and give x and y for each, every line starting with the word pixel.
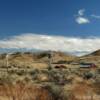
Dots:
pixel 22 91
pixel 96 86
pixel 82 91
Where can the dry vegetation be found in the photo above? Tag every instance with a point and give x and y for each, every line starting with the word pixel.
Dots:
pixel 28 78
pixel 24 91
pixel 47 84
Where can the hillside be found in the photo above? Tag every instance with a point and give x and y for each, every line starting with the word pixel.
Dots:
pixel 92 57
pixel 95 53
pixel 39 59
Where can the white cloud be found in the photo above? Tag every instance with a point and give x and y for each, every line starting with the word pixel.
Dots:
pixel 95 16
pixel 81 12
pixel 47 42
pixel 82 20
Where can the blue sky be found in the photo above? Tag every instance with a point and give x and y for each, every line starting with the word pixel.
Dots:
pixel 63 18
pixel 56 17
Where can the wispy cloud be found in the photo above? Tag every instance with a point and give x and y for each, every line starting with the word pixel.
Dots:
pixel 95 16
pixel 81 12
pixel 80 19
pixel 47 42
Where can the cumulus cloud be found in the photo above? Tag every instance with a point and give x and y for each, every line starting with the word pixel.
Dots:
pixel 80 19
pixel 47 42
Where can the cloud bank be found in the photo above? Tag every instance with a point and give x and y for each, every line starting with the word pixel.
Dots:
pixel 47 42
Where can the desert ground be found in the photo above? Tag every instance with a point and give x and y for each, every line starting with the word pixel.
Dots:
pixel 39 76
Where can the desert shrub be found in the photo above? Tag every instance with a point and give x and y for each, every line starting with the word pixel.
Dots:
pixel 45 71
pixel 33 72
pixel 5 79
pixel 88 75
pixel 49 67
pixel 27 79
pixel 55 90
pixel 21 72
pixel 53 75
pixel 57 76
pixel 11 71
